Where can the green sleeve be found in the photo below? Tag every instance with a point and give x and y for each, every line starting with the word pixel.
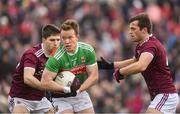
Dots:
pixel 91 57
pixel 52 64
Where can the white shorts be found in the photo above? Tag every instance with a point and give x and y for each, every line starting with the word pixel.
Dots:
pixel 166 103
pixel 78 103
pixel 33 106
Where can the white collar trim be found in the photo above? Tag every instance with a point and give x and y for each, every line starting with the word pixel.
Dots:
pixel 43 50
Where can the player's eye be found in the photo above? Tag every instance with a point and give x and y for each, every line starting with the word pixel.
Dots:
pixel 52 40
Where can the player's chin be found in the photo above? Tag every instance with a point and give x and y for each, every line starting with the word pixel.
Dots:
pixel 133 40
pixel 70 51
pixel 68 48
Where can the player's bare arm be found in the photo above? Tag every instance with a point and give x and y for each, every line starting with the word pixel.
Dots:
pixel 138 66
pixel 124 63
pixel 93 77
pixel 48 83
pixel 30 80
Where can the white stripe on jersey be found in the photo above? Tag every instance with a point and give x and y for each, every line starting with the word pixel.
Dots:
pixel 39 53
pixel 59 53
pixel 86 46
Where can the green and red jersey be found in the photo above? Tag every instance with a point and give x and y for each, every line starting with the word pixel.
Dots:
pixel 77 62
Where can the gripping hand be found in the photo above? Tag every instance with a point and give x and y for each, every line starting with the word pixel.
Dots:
pixel 117 75
pixel 104 64
pixel 75 86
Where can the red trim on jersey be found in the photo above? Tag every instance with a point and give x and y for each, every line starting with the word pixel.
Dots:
pixel 53 52
pixel 77 70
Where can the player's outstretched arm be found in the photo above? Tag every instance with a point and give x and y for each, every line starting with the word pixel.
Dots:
pixel 138 66
pixel 105 64
pixel 124 63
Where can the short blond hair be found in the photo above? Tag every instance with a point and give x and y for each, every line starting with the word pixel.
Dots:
pixel 70 24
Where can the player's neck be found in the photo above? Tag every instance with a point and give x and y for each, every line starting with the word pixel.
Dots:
pixel 144 39
pixel 46 53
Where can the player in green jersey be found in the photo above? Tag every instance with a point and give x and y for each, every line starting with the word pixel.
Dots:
pixel 79 58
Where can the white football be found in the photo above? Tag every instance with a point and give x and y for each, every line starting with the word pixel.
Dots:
pixel 65 78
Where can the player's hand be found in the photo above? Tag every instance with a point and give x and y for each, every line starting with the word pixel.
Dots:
pixel 75 85
pixel 104 64
pixel 62 94
pixel 118 76
pixel 70 91
pixel 74 93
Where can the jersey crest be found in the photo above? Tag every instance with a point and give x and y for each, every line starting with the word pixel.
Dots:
pixel 83 59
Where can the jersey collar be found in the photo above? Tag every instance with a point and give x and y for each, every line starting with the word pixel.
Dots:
pixel 44 51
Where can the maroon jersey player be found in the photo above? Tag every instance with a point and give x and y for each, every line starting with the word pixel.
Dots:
pixel 26 94
pixel 150 59
pixel 157 75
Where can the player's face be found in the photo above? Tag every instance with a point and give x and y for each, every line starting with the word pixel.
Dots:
pixel 69 38
pixel 52 42
pixel 135 32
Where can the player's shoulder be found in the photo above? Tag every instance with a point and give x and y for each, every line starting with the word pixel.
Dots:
pixel 152 42
pixel 148 43
pixel 59 52
pixel 35 50
pixel 85 46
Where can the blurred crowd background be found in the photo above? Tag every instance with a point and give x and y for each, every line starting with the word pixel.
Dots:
pixel 104 25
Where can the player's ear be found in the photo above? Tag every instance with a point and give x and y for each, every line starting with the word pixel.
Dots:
pixel 43 39
pixel 144 30
pixel 77 35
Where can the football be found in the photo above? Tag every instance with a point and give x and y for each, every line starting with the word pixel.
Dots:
pixel 65 78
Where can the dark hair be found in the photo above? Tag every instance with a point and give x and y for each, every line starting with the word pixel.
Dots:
pixel 70 24
pixel 143 21
pixel 49 30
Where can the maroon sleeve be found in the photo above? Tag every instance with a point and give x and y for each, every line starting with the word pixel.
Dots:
pixel 30 60
pixel 149 48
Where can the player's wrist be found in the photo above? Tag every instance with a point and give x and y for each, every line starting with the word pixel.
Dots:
pixel 78 91
pixel 112 65
pixel 117 75
pixel 121 76
pixel 67 90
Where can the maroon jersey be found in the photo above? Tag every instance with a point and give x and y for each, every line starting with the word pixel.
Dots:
pixel 157 75
pixel 33 58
